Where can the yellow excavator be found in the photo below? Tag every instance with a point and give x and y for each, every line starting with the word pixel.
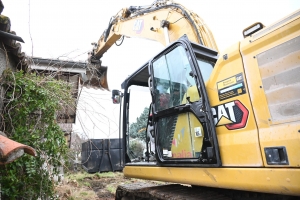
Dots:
pixel 221 126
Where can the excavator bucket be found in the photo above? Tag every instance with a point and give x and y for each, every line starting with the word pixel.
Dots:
pixel 96 77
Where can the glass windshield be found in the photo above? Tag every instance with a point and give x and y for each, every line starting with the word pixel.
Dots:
pixel 172 80
pixel 205 68
pixel 140 99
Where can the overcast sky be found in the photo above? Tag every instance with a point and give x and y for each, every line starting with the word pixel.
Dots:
pixel 65 29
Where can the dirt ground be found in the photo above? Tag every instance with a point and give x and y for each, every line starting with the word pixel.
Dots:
pixel 98 186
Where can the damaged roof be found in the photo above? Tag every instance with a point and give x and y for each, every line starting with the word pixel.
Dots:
pixel 11 150
pixel 92 75
pixel 9 39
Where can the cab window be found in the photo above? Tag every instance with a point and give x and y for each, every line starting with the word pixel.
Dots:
pixel 172 80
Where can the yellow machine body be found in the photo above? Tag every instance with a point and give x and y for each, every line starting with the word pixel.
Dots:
pixel 268 62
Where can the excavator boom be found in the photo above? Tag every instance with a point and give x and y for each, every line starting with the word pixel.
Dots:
pixel 162 21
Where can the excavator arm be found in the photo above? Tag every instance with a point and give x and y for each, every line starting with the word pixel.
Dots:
pixel 163 21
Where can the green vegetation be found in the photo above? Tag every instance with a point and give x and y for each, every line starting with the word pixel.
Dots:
pixel 137 132
pixel 137 148
pixel 30 110
pixel 87 184
pixel 138 128
pixel 111 188
pixel 83 193
pixel 79 176
pixel 107 174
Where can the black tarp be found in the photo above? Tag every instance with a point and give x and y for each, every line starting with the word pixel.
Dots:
pixel 102 155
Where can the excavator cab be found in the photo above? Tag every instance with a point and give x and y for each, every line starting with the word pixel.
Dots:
pixel 184 130
pixel 181 117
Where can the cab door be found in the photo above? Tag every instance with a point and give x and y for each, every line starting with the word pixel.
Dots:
pixel 183 123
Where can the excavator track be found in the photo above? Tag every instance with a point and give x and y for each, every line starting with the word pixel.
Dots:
pixel 142 191
pixel 151 191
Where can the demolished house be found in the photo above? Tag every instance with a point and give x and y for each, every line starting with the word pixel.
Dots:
pixel 78 74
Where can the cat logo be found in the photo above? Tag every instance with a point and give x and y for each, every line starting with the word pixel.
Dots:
pixel 239 78
pixel 233 115
pixel 138 26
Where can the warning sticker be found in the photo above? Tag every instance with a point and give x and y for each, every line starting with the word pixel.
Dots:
pixel 198 132
pixel 231 87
